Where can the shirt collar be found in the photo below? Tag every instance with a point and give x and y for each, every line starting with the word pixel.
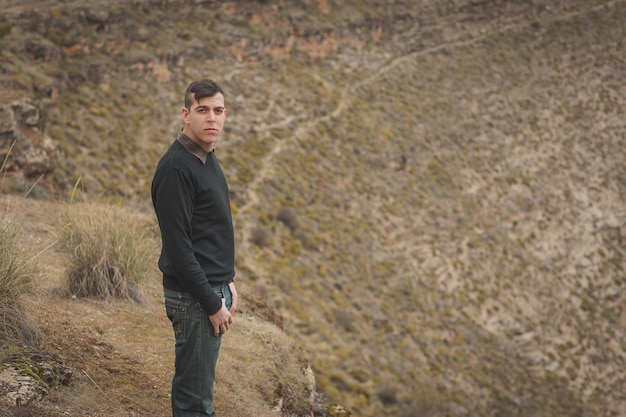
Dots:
pixel 193 147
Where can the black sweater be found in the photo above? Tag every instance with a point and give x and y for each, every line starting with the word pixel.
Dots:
pixel 191 202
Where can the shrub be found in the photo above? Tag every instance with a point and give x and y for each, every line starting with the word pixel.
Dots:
pixel 5 29
pixel 108 254
pixel 427 402
pixel 387 395
pixel 260 237
pixel 288 217
pixel 17 270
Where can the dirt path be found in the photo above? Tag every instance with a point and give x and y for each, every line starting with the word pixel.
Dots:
pixel 346 99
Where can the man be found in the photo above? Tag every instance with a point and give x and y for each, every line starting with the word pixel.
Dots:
pixel 191 201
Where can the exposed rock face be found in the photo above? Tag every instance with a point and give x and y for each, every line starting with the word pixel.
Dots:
pixel 28 376
pixel 19 389
pixel 24 145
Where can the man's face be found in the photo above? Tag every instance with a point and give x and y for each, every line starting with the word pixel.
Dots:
pixel 204 121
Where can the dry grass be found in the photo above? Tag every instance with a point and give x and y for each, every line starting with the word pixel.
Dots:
pixel 271 369
pixel 108 254
pixel 17 274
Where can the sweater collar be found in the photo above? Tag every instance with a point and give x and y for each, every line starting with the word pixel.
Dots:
pixel 193 147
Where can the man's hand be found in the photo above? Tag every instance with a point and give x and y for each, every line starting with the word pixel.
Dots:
pixel 221 320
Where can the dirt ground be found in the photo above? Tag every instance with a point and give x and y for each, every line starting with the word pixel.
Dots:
pixel 120 353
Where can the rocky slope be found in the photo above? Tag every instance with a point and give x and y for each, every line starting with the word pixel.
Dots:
pixel 431 193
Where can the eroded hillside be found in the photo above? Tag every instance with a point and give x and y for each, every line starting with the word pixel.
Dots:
pixel 431 193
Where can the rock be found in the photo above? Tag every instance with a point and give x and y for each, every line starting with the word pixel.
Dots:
pixel 335 410
pixel 19 389
pixel 24 145
pixel 28 376
pixel 26 113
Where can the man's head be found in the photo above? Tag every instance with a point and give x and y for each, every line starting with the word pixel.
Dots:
pixel 200 89
pixel 204 113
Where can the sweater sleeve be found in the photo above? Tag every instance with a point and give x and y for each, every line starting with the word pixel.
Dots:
pixel 173 203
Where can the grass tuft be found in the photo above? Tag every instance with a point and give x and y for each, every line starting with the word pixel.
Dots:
pixel 108 255
pixel 17 270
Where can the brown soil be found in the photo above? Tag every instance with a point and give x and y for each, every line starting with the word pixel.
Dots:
pixel 120 353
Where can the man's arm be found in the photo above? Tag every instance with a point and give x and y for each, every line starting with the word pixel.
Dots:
pixel 174 208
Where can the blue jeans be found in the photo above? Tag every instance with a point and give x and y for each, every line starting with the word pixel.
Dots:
pixel 197 350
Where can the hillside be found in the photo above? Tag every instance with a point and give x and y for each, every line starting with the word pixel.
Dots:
pixel 112 358
pixel 430 194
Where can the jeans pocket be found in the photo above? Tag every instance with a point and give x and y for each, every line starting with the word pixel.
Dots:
pixel 177 314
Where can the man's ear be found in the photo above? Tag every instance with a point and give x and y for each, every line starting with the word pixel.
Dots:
pixel 184 112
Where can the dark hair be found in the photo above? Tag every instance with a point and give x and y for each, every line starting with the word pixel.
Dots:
pixel 200 89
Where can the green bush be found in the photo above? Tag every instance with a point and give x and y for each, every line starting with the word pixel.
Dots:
pixel 108 254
